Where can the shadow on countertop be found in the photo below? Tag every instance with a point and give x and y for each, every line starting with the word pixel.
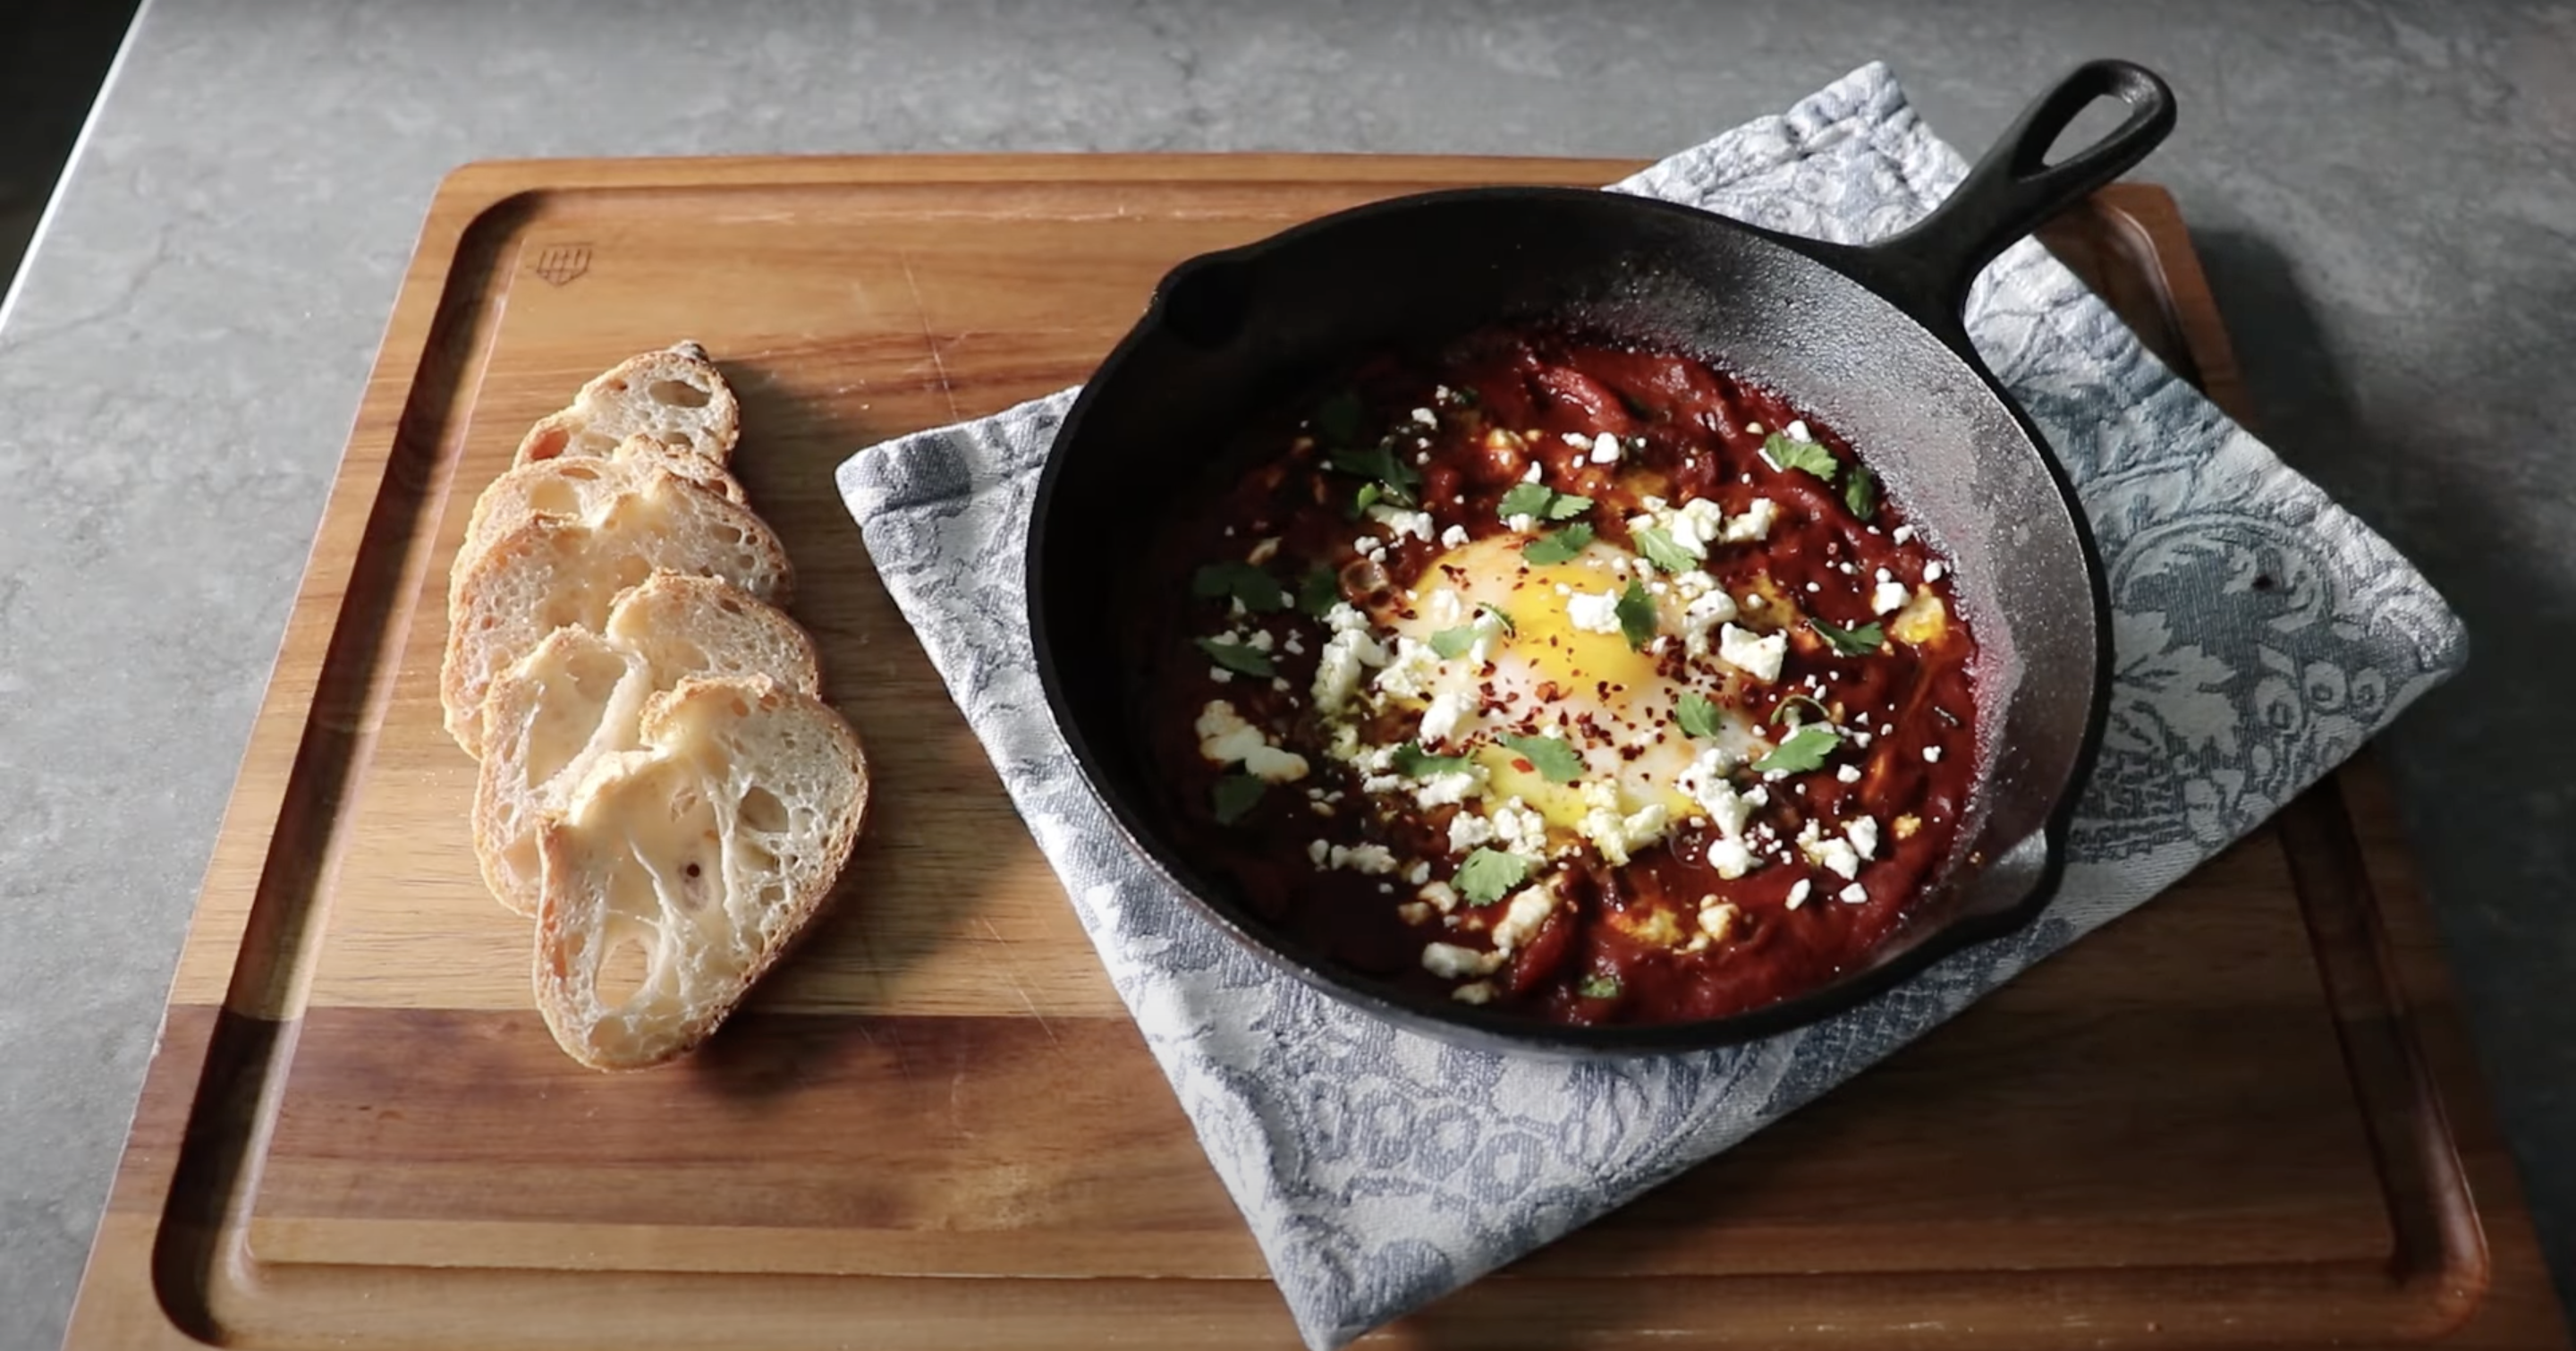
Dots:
pixel 2490 778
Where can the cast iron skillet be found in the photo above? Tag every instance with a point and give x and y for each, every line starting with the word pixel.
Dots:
pixel 1869 338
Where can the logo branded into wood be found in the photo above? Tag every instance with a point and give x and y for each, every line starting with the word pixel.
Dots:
pixel 561 263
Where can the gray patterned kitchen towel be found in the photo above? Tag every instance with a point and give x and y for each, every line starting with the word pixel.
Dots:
pixel 1379 1169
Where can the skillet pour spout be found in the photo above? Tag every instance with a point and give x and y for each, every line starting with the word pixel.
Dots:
pixel 1870 338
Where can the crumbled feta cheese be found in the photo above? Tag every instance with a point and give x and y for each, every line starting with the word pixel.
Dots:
pixel 1449 961
pixel 1755 524
pixel 1730 858
pixel 1753 429
pixel 1593 613
pixel 1522 918
pixel 1440 720
pixel 1263 551
pixel 1273 765
pixel 1337 669
pixel 1933 572
pixel 1848 774
pixel 1419 873
pixel 1797 431
pixel 1403 523
pixel 1700 522
pixel 1224 737
pixel 1703 614
pixel 1535 470
pixel 1443 790
pixel 1694 584
pixel 1798 893
pixel 1618 836
pixel 1605 449
pixel 1321 852
pixel 1521 830
pixel 1862 831
pixel 1704 781
pixel 1888 597
pixel 1413 912
pixel 1440 895
pixel 1718 920
pixel 1932 755
pixel 1520 523
pixel 1260 641
pixel 1834 856
pixel 1443 608
pixel 1467 830
pixel 1426 417
pixel 1412 673
pixel 1575 438
pixel 1473 992
pixel 1855 893
pixel 1455 537
pixel 1759 657
pixel 1373 859
pixel 1902 534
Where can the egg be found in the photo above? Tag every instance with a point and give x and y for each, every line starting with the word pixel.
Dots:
pixel 1550 656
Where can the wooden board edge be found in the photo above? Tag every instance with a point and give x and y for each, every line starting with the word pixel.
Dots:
pixel 2466 1239
pixel 500 178
pixel 187 1079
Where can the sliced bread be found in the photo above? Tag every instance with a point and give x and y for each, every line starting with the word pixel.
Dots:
pixel 580 697
pixel 572 487
pixel 549 574
pixel 676 396
pixel 705 854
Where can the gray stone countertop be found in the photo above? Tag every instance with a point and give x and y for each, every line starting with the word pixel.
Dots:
pixel 2385 194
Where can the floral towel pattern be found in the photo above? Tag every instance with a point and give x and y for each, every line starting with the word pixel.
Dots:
pixel 2261 634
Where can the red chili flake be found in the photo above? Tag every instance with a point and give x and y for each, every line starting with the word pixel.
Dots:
pixel 1523 765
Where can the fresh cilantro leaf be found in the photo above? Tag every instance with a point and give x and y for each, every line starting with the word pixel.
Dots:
pixel 1495 613
pixel 1541 502
pixel 1452 644
pixel 1636 612
pixel 1661 550
pixel 1338 418
pixel 1696 715
pixel 1788 708
pixel 1396 480
pixel 1238 658
pixel 1255 588
pixel 1558 546
pixel 1318 591
pixel 1555 761
pixel 1366 498
pixel 1807 455
pixel 1413 761
pixel 1600 987
pixel 1236 794
pixel 1803 750
pixel 1859 642
pixel 1488 873
pixel 1860 492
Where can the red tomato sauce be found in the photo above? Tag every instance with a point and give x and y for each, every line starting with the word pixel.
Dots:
pixel 1633 942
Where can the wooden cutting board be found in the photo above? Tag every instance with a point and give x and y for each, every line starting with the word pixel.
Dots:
pixel 2244 1115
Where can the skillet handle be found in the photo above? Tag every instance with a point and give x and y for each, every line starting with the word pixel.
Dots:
pixel 1927 268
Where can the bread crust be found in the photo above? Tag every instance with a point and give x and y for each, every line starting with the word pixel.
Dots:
pixel 627 391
